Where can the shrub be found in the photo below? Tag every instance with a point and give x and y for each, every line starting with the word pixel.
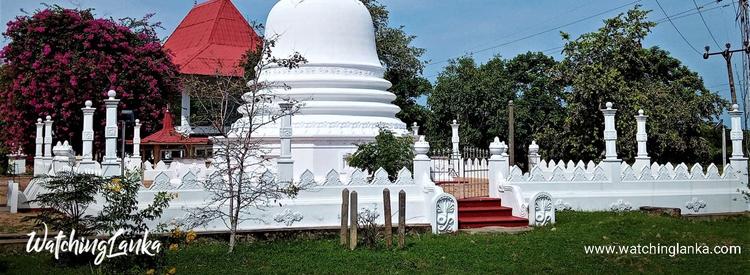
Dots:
pixel 388 151
pixel 368 227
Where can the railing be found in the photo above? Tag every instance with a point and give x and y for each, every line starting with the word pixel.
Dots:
pixel 464 175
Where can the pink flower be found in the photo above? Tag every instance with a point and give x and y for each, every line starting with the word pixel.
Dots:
pixel 47 49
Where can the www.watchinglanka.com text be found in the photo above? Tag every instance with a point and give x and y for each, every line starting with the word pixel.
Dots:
pixel 663 249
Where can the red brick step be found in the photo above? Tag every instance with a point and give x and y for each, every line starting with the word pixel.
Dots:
pixel 483 211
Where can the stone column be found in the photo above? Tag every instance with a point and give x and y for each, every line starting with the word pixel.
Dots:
pixel 534 157
pixel 455 151
pixel 611 163
pixel 137 139
pixel 87 137
pixel 642 159
pixel 38 151
pixel 738 159
pixel 285 161
pixel 497 167
pixel 47 145
pixel 415 130
pixel 111 164
pixel 422 163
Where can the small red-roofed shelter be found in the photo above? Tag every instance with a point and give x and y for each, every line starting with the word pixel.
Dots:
pixel 167 143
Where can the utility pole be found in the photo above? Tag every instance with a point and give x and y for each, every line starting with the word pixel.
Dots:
pixel 511 134
pixel 727 54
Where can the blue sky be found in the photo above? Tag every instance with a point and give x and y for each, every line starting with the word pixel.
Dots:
pixel 451 28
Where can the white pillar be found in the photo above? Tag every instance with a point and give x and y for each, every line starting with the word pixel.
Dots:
pixel 642 159
pixel 611 162
pixel 738 159
pixel 422 163
pixel 285 161
pixel 111 164
pixel 38 153
pixel 415 130
pixel 497 167
pixel 13 194
pixel 455 153
pixel 87 137
pixel 534 157
pixel 47 145
pixel 185 113
pixel 137 139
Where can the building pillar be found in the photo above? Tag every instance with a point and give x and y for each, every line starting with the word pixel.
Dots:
pixel 497 167
pixel 47 145
pixel 738 159
pixel 38 151
pixel 642 159
pixel 611 162
pixel 415 130
pixel 534 157
pixel 285 161
pixel 87 136
pixel 111 164
pixel 185 113
pixel 422 163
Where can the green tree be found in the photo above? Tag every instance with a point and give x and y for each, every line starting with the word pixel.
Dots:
pixel 403 67
pixel 611 64
pixel 387 151
pixel 478 96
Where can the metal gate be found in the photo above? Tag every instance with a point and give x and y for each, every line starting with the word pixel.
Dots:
pixel 463 175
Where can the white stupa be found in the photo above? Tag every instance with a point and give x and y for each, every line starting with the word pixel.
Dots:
pixel 341 87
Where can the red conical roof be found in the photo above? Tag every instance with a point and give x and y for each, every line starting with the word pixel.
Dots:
pixel 169 136
pixel 211 39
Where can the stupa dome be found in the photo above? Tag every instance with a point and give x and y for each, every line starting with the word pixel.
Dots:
pixel 324 31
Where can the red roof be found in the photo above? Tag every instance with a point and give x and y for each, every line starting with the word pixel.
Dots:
pixel 169 136
pixel 211 39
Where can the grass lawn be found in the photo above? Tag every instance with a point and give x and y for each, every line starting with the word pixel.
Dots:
pixel 556 249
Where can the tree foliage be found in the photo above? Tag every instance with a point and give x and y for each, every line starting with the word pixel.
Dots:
pixel 403 66
pixel 478 95
pixel 58 58
pixel 387 151
pixel 611 64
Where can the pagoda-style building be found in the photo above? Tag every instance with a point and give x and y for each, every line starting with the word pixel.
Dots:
pixel 209 41
pixel 168 144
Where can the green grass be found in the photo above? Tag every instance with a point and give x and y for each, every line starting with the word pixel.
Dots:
pixel 556 249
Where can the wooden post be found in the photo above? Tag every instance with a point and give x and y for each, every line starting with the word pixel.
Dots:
pixel 353 223
pixel 387 217
pixel 344 217
pixel 401 218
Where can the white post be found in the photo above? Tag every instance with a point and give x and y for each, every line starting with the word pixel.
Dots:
pixel 642 159
pixel 497 167
pixel 738 159
pixel 38 157
pixel 422 163
pixel 455 153
pixel 13 194
pixel 47 145
pixel 88 132
pixel 534 157
pixel 415 130
pixel 285 161
pixel 611 162
pixel 137 139
pixel 185 114
pixel 111 164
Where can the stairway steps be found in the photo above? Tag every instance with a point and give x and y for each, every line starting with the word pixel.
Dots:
pixel 476 222
pixel 483 212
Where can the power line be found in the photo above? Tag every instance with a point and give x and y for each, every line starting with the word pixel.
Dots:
pixel 705 24
pixel 538 33
pixel 675 28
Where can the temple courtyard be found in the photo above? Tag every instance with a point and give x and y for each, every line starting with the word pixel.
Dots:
pixel 558 249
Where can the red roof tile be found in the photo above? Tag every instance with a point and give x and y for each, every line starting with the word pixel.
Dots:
pixel 211 39
pixel 168 135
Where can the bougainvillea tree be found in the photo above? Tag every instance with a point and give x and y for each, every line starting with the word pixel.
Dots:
pixel 58 58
